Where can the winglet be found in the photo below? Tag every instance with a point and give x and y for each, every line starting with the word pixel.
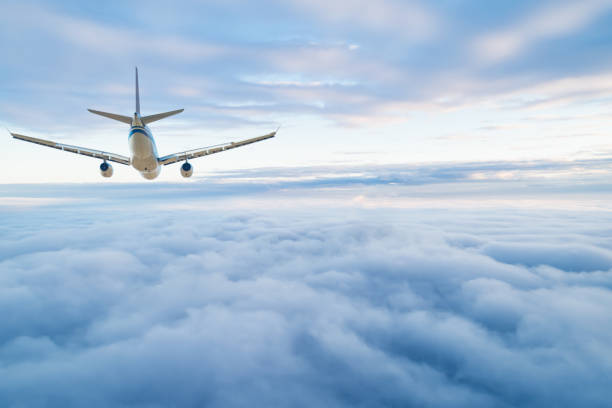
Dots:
pixel 14 135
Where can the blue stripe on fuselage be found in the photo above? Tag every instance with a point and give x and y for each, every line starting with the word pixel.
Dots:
pixel 144 131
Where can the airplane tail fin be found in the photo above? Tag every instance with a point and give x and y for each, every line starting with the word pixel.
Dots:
pixel 145 119
pixel 120 118
pixel 158 116
pixel 137 94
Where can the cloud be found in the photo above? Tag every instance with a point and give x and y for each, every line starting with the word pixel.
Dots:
pixel 409 19
pixel 107 38
pixel 569 184
pixel 553 93
pixel 118 302
pixel 357 65
pixel 569 258
pixel 557 174
pixel 555 20
pixel 395 77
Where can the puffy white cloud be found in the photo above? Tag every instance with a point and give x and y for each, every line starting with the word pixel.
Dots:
pixel 120 303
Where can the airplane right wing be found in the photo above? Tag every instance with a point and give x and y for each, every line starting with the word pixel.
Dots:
pixel 117 158
pixel 205 151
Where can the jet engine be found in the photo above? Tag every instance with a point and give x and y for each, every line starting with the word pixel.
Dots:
pixel 186 169
pixel 106 169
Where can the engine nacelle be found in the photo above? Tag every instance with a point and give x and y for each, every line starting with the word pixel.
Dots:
pixel 186 169
pixel 106 169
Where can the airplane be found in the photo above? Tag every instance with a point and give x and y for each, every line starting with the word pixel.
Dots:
pixel 143 152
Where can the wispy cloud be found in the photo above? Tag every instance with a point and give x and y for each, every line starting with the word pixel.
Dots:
pixel 569 185
pixel 106 38
pixel 412 20
pixel 557 19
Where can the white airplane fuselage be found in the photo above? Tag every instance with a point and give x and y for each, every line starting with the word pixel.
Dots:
pixel 143 152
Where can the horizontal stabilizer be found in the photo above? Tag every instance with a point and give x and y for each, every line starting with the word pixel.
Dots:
pixel 158 116
pixel 120 118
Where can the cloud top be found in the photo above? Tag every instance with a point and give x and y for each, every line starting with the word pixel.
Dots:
pixel 317 307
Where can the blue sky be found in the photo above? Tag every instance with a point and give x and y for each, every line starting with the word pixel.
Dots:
pixel 351 82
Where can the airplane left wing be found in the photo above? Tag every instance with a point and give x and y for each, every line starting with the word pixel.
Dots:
pixel 117 158
pixel 205 151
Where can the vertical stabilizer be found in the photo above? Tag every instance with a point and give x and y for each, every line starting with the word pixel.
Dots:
pixel 137 94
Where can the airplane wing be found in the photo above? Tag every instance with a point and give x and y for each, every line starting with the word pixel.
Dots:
pixel 117 158
pixel 205 151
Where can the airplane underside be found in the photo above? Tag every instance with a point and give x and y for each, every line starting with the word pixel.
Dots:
pixel 144 154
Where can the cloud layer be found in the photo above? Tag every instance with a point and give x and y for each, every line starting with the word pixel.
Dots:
pixel 148 307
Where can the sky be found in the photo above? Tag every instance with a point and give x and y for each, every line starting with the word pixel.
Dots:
pixel 430 228
pixel 353 82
